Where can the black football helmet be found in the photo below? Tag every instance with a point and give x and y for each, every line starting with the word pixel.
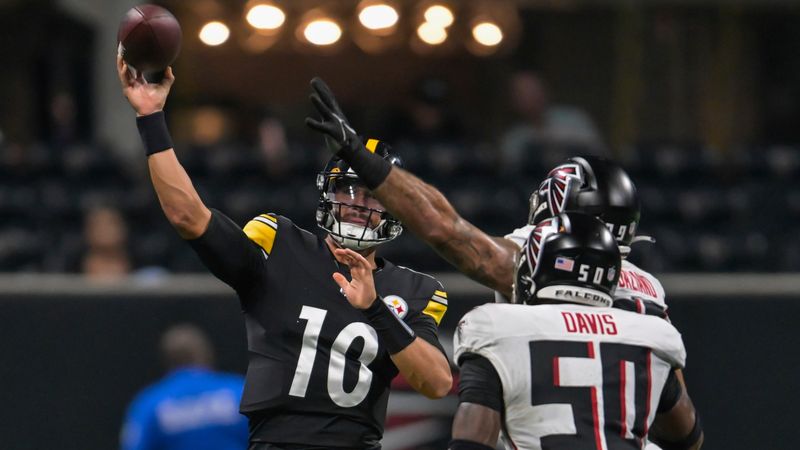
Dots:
pixel 347 210
pixel 571 257
pixel 593 185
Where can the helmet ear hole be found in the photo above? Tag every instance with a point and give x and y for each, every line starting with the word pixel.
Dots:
pixel 320 181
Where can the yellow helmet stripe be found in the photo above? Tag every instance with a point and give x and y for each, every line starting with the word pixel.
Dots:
pixel 372 145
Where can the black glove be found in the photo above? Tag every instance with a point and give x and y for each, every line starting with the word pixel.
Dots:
pixel 343 140
pixel 340 137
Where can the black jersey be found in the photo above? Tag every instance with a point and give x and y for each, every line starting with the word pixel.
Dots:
pixel 318 375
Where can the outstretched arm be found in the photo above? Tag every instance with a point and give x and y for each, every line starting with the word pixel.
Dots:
pixel 421 207
pixel 222 246
pixel 179 199
pixel 425 211
pixel 424 367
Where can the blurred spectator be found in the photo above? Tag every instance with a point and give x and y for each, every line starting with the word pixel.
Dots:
pixel 106 236
pixel 105 229
pixel 273 147
pixel 542 125
pixel 18 160
pixel 192 407
pixel 431 119
pixel 106 264
pixel 63 126
pixel 427 131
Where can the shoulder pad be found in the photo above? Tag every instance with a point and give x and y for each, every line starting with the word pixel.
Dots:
pixel 262 230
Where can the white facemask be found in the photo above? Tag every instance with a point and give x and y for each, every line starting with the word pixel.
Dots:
pixel 355 237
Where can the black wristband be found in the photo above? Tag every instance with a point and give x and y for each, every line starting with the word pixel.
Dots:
pixel 154 133
pixel 372 169
pixel 460 444
pixel 392 331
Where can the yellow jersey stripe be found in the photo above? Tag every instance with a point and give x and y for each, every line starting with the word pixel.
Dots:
pixel 261 233
pixel 435 310
pixel 372 145
pixel 440 293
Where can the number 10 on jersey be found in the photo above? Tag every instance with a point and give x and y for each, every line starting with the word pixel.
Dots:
pixel 314 318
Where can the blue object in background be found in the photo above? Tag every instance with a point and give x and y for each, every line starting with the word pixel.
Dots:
pixel 191 408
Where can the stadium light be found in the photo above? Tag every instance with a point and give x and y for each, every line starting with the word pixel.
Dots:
pixel 214 33
pixel 378 16
pixel 439 15
pixel 431 34
pixel 265 17
pixel 377 26
pixel 322 32
pixel 487 34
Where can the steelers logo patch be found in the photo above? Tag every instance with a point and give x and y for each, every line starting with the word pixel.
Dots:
pixel 398 305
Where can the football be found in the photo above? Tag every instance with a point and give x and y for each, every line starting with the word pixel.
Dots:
pixel 149 38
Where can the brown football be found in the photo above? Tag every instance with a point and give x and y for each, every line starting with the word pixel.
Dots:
pixel 149 38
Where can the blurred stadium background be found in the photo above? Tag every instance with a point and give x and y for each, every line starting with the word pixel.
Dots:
pixel 699 99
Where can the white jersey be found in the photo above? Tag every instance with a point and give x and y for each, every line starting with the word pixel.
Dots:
pixel 634 284
pixel 574 376
pixel 520 235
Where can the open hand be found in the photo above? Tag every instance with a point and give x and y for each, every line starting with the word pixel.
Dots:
pixel 145 98
pixel 360 291
pixel 333 124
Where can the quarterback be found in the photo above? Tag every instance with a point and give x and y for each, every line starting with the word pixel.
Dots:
pixel 329 324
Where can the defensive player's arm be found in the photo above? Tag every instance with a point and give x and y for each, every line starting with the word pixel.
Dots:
pixel 178 198
pixel 424 366
pixel 677 425
pixel 477 421
pixel 420 206
pixel 425 211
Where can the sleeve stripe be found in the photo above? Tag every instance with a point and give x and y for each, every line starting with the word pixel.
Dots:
pixel 270 223
pixel 270 218
pixel 435 310
pixel 439 299
pixel 440 293
pixel 261 233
